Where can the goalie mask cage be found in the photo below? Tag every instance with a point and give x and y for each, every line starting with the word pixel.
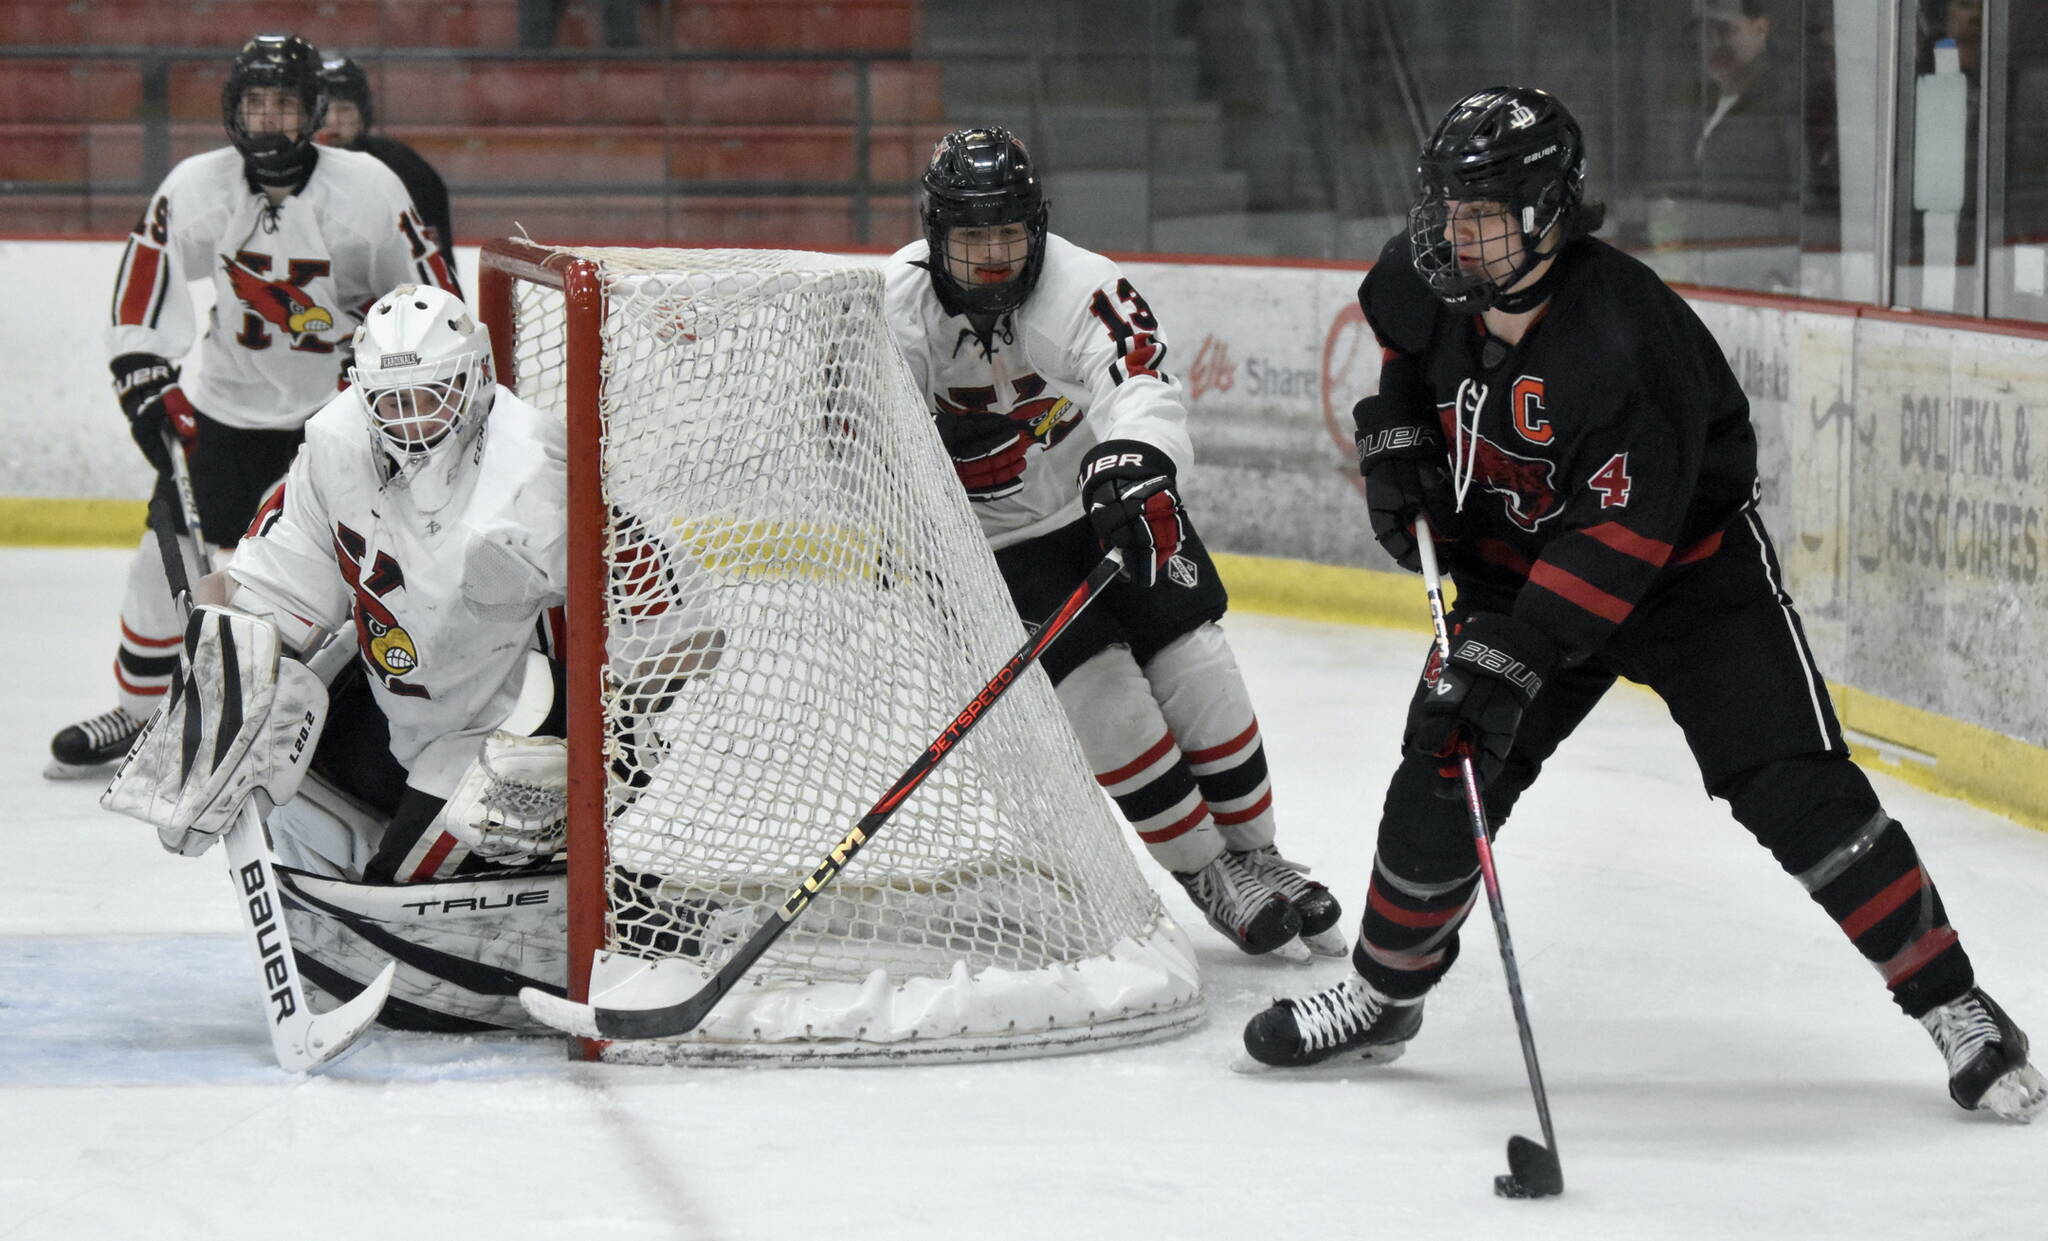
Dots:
pixel 752 477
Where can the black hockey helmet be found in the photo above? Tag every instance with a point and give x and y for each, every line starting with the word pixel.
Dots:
pixel 282 60
pixel 980 178
pixel 344 79
pixel 1516 146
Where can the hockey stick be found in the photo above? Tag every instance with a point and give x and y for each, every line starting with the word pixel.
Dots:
pixel 1533 1170
pixel 597 1022
pixel 301 1038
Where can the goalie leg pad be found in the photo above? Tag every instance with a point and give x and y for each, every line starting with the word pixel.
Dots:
pixel 238 718
pixel 464 947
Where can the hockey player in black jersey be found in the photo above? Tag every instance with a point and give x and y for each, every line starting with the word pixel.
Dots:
pixel 1576 437
pixel 350 114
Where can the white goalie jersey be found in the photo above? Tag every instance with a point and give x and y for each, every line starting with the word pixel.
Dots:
pixel 290 282
pixel 1083 361
pixel 444 606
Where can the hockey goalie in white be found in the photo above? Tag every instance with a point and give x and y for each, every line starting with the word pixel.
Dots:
pixel 1046 373
pixel 425 521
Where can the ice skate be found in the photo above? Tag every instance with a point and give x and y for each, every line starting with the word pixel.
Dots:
pixel 1242 905
pixel 1317 905
pixel 87 747
pixel 1987 1058
pixel 1348 1019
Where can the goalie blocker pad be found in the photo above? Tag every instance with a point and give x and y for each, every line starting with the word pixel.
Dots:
pixel 239 717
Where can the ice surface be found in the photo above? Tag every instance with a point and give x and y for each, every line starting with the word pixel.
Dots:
pixel 1721 1064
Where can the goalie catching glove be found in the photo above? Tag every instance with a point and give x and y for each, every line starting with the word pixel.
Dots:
pixel 239 718
pixel 512 806
pixel 1127 490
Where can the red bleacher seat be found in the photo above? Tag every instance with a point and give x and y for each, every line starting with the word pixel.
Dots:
pixel 43 153
pixel 70 90
pixel 803 92
pixel 491 92
pixel 807 25
pixel 796 152
pixel 706 25
pixel 816 223
pixel 467 155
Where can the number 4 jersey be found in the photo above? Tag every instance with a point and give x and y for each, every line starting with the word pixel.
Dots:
pixel 1083 361
pixel 290 282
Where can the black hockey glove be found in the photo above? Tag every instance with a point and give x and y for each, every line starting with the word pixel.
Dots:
pixel 1406 472
pixel 147 387
pixel 1496 669
pixel 1127 491
pixel 988 451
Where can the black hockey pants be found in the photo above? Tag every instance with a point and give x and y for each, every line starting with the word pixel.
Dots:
pixel 1720 643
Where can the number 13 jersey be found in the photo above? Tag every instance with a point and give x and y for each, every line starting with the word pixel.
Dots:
pixel 1083 361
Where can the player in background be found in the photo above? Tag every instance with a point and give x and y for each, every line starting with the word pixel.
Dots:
pixel 297 240
pixel 349 119
pixel 425 521
pixel 1046 373
pixel 1597 510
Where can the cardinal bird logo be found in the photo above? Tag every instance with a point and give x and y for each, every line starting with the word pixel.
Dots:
pixel 280 303
pixel 386 648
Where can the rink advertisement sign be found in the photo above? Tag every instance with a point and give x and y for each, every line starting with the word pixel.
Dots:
pixel 1901 478
pixel 1271 360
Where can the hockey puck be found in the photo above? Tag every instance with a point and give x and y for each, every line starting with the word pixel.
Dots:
pixel 1506 1185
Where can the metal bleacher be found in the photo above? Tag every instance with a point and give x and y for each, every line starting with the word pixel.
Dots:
pixel 784 122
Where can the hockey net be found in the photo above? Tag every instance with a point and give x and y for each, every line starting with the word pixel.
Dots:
pixel 757 495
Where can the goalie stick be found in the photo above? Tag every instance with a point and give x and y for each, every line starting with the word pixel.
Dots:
pixel 301 1038
pixel 598 1022
pixel 1533 1170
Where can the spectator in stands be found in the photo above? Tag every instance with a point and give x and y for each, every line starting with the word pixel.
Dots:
pixel 539 20
pixel 349 117
pixel 1737 180
pixel 1747 146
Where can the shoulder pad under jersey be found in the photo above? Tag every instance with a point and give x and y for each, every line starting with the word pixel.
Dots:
pixel 1398 305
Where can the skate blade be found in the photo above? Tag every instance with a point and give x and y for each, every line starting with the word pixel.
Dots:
pixel 1294 952
pixel 2018 1096
pixel 1330 943
pixel 58 769
pixel 1385 1053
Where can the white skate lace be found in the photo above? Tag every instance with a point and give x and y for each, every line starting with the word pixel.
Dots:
pixel 1331 1015
pixel 1218 887
pixel 106 728
pixel 1961 1030
pixel 1283 875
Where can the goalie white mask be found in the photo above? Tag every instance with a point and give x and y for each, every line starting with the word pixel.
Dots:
pixel 423 372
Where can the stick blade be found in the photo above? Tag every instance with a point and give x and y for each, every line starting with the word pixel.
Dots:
pixel 1533 1171
pixel 309 1045
pixel 565 1015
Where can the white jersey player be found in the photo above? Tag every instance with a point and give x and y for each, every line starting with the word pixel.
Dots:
pixel 1046 374
pixel 296 241
pixel 425 522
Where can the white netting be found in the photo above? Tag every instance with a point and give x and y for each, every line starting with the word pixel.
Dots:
pixel 781 503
